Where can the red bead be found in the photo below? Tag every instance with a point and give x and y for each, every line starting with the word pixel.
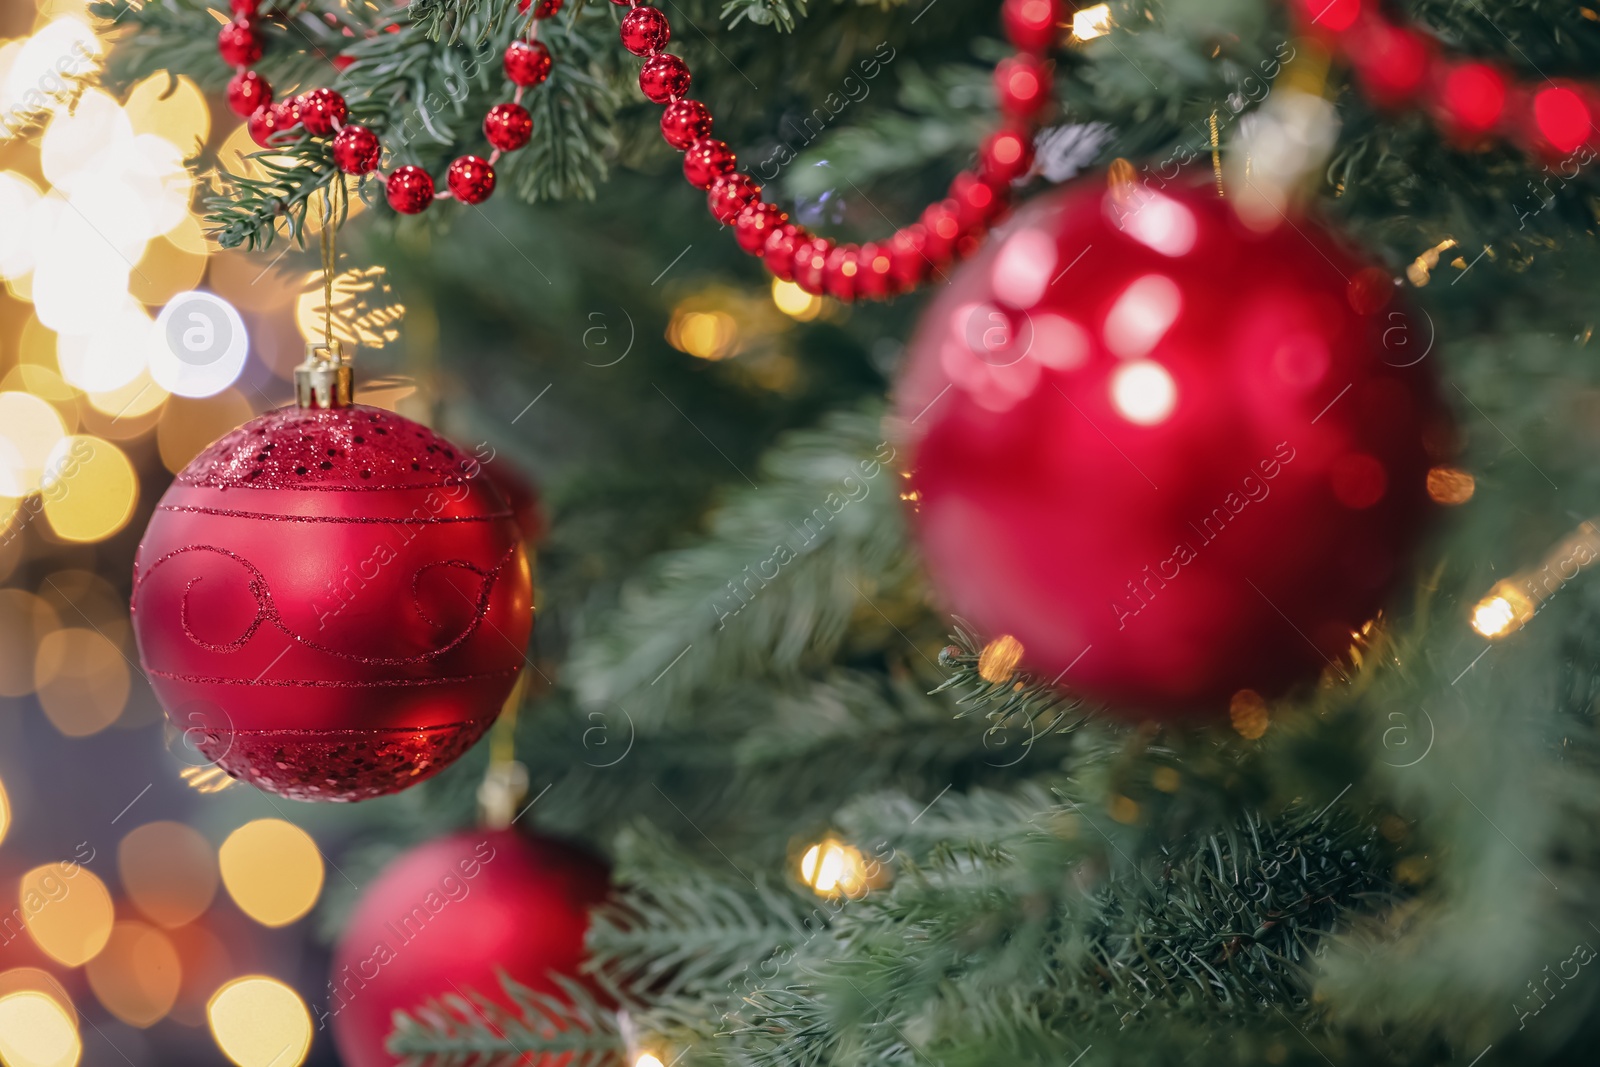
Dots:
pixel 1022 85
pixel 875 279
pixel 265 125
pixel 1470 99
pixel 343 61
pixel 1563 119
pixel 410 190
pixel 909 265
pixel 244 9
pixel 977 202
pixel 663 77
pixel 356 150
pixel 394 673
pixel 1032 402
pixel 542 10
pixel 841 275
pixel 247 91
pixel 1005 156
pixel 810 263
pixel 287 113
pixel 941 222
pixel 239 43
pixel 527 62
pixel 508 126
pixel 471 179
pixel 778 252
pixel 755 223
pixel 705 161
pixel 521 916
pixel 1391 63
pixel 322 111
pixel 1031 24
pixel 683 122
pixel 645 31
pixel 729 194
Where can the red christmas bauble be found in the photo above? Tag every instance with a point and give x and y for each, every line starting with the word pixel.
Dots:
pixel 471 179
pixel 248 91
pixel 447 918
pixel 356 150
pixel 645 31
pixel 527 63
pixel 322 111
pixel 508 126
pixel 729 194
pixel 240 43
pixel 332 604
pixel 755 221
pixel 1173 457
pixel 664 78
pixel 683 122
pixel 265 125
pixel 409 190
pixel 707 160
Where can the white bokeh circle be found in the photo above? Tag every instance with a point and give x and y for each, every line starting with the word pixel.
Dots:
pixel 198 345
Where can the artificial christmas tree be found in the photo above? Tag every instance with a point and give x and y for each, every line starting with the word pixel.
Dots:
pixel 1389 863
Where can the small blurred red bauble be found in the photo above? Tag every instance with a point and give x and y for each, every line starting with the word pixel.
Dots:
pixel 446 919
pixel 332 604
pixel 1173 457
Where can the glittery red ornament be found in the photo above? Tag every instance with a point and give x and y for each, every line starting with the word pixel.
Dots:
pixel 410 190
pixel 263 126
pixel 729 194
pixel 810 258
pixel 645 31
pixel 1173 457
pixel 239 43
pixel 527 63
pixel 683 122
pixel 1022 86
pixel 707 160
pixel 840 276
pixel 322 111
pixel 471 179
pixel 356 150
pixel 664 77
pixel 1031 24
pixel 332 603
pixel 508 126
pixel 286 113
pixel 755 222
pixel 450 916
pixel 247 91
pixel 542 10
pixel 778 252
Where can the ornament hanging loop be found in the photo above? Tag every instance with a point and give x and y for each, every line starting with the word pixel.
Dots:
pixel 326 379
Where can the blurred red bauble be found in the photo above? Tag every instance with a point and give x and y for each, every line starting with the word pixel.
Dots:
pixel 322 111
pixel 239 43
pixel 332 604
pixel 1173 457
pixel 248 91
pixel 446 919
pixel 527 63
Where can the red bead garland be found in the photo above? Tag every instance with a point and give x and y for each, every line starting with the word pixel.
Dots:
pixel 1471 100
pixel 356 149
pixel 874 271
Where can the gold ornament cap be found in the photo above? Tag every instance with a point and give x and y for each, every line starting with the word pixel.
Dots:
pixel 326 379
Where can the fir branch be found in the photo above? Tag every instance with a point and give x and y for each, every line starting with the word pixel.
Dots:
pixel 468 1028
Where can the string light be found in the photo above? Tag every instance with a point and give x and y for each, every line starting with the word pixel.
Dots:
pixel 1091 22
pixel 999 659
pixel 1513 601
pixel 833 868
pixel 794 301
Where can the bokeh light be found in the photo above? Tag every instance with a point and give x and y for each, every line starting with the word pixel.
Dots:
pixel 191 425
pixel 260 1022
pixel 794 301
pixel 90 489
pixel 67 911
pixel 138 974
pixel 832 867
pixel 709 335
pixel 5 812
pixel 83 680
pixel 272 870
pixel 169 872
pixel 198 345
pixel 29 430
pixel 36 1031
pixel 24 621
